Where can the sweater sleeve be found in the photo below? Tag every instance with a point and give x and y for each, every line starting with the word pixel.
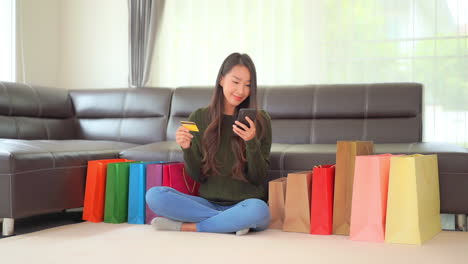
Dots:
pixel 258 154
pixel 193 154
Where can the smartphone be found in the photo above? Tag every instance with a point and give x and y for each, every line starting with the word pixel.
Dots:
pixel 243 112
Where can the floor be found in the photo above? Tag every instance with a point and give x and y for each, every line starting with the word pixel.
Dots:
pixel 45 221
pixel 124 243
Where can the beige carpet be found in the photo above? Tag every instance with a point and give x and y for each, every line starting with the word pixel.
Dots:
pixel 107 243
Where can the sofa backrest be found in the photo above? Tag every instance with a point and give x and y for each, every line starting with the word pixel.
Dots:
pixel 323 114
pixel 185 100
pixel 35 112
pixel 128 115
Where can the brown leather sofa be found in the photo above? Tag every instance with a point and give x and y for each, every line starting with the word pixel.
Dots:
pixel 47 135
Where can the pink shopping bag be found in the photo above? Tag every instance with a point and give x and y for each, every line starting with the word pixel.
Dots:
pixel 369 200
pixel 176 177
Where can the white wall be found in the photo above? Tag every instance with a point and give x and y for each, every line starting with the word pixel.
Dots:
pixel 94 44
pixel 38 41
pixel 73 44
pixel 7 45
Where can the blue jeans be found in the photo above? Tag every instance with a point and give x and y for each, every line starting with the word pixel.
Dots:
pixel 210 217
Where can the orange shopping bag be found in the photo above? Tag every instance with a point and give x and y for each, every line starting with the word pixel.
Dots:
pixel 93 209
pixel 369 202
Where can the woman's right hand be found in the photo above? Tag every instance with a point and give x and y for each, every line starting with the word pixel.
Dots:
pixel 183 137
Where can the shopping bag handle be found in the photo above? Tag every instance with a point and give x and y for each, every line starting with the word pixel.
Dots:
pixel 321 166
pixel 186 183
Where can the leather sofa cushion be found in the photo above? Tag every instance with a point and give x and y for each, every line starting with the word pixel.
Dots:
pixel 354 101
pixel 323 114
pixel 35 112
pixel 118 102
pixel 141 130
pixel 328 131
pixel 20 156
pixel 126 115
pixel 296 157
pixel 20 127
pixel 158 151
pixel 451 158
pixel 40 176
pixel 18 99
pixel 170 151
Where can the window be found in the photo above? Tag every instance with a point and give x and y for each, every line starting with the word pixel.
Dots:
pixel 327 41
pixel 421 41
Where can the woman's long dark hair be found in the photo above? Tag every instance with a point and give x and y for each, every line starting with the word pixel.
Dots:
pixel 212 136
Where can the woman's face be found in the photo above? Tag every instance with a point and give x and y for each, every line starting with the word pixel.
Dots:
pixel 236 87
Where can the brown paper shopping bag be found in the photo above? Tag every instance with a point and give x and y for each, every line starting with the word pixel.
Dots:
pixel 276 201
pixel 297 206
pixel 346 152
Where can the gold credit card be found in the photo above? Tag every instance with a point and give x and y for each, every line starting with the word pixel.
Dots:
pixel 190 125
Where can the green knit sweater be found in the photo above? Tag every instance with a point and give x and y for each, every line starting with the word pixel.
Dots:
pixel 222 188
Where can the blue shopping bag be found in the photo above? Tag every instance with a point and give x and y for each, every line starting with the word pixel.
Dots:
pixel 137 192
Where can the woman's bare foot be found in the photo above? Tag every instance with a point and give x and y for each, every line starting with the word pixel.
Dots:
pixel 189 227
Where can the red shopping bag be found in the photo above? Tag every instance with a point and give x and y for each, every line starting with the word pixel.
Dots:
pixel 321 205
pixel 93 209
pixel 175 176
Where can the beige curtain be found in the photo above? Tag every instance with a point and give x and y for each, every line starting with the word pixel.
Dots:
pixel 143 20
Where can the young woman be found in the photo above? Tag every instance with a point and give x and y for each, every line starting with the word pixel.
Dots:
pixel 227 158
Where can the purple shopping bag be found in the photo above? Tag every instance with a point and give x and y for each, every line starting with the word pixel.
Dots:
pixel 154 177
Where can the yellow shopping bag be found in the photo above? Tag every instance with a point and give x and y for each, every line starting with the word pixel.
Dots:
pixel 413 206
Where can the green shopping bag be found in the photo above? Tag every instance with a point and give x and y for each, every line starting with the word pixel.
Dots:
pixel 116 205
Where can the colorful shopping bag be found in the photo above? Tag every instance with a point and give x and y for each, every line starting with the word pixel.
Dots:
pixel 137 191
pixel 175 176
pixel 116 205
pixel 276 202
pixel 321 204
pixel 346 152
pixel 413 206
pixel 297 206
pixel 369 203
pixel 154 177
pixel 93 209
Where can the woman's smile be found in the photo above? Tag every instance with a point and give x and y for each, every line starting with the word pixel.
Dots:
pixel 238 98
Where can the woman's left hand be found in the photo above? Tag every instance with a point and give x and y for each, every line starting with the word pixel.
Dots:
pixel 244 131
